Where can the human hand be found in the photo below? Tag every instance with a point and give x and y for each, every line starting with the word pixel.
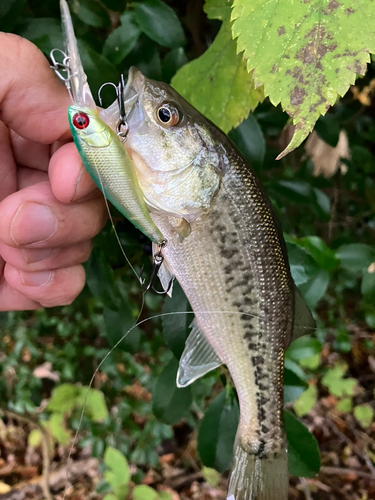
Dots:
pixel 50 208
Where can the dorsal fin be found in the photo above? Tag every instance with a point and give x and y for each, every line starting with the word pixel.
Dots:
pixel 197 359
pixel 303 322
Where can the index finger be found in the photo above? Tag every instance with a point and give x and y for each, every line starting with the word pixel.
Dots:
pixel 33 100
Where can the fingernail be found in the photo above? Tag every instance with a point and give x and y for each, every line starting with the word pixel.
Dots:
pixel 32 255
pixel 36 279
pixel 32 223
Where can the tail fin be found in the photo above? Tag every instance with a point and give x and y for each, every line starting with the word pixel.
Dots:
pixel 255 478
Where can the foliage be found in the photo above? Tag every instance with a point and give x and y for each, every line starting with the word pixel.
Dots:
pixel 328 225
pixel 296 51
pixel 117 475
pixel 217 83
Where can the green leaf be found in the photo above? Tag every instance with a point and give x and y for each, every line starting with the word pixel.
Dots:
pixel 145 55
pixel 121 41
pixel 302 193
pixel 368 283
pixel 92 13
pixel 302 266
pixel 172 62
pixel 294 386
pixel 165 495
pixel 117 324
pixel 336 383
pixel 315 288
pixel 45 33
pixel 100 279
pixel 97 67
pixel 321 204
pixel 211 476
pixel 58 429
pixel 364 414
pixel 249 139
pixel 344 405
pixel 10 11
pixel 169 403
pixel 356 256
pixel 306 401
pixel 94 403
pixel 63 398
pixel 118 472
pixel 294 367
pixel 303 348
pixel 217 83
pixel 328 129
pixel 295 191
pixel 116 5
pixel 323 255
pixel 144 492
pixel 304 455
pixel 159 22
pixel 35 438
pixel 305 53
pixel 218 431
pixel 312 363
pixel 176 326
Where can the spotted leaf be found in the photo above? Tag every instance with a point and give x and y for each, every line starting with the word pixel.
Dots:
pixel 304 52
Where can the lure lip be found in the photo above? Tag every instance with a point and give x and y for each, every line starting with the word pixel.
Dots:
pixel 133 89
pixel 79 88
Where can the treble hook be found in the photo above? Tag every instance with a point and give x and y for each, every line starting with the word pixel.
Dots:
pixel 122 125
pixel 63 66
pixel 158 261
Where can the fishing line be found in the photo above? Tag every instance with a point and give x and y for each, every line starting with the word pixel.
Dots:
pixel 117 343
pixel 137 324
pixel 113 226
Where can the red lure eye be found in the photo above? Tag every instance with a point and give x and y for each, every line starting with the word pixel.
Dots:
pixel 81 121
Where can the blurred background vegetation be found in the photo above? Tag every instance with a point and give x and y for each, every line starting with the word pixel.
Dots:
pixel 174 439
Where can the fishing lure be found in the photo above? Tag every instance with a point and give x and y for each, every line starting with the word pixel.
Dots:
pixel 99 146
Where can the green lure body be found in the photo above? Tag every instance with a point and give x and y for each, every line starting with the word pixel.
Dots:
pixel 102 153
pixel 110 166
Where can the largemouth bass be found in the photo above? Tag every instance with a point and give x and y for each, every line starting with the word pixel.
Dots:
pixel 226 249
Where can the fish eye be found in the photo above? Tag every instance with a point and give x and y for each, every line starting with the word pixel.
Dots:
pixel 168 115
pixel 81 121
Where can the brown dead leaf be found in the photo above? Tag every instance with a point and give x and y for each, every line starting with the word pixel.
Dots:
pixel 364 95
pixel 27 472
pixel 327 159
pixel 138 392
pixel 168 458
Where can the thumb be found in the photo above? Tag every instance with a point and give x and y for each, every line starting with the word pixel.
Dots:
pixel 33 101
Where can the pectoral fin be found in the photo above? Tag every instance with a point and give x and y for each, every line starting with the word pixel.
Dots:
pixel 303 323
pixel 197 359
